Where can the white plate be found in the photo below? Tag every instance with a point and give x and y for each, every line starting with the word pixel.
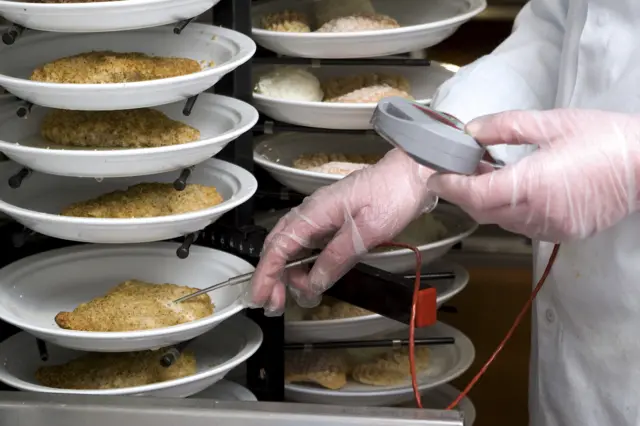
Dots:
pixel 424 82
pixel 220 120
pixel 103 16
pixel 440 398
pixel 33 290
pixel 241 336
pixel 458 224
pixel 424 24
pixel 370 325
pixel 446 364
pixel 226 48
pixel 41 197
pixel 225 390
pixel 277 153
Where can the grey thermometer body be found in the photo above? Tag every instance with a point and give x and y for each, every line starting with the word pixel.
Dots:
pixel 429 137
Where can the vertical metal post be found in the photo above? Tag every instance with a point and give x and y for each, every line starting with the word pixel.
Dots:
pixel 265 370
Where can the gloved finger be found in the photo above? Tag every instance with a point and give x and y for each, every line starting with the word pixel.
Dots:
pixel 297 280
pixel 518 127
pixel 293 234
pixel 268 273
pixel 481 192
pixel 338 257
pixel 275 306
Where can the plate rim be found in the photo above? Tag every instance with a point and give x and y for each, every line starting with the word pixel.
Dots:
pixel 248 118
pixel 466 359
pixel 361 106
pixel 248 187
pixel 76 7
pixel 246 49
pixel 474 7
pixel 301 326
pixel 98 250
pixel 251 334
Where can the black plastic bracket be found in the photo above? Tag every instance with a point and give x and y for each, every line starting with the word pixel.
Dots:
pixel 188 106
pixel 183 251
pixel 24 110
pixel 42 349
pixel 11 35
pixel 16 180
pixel 181 182
pixel 180 26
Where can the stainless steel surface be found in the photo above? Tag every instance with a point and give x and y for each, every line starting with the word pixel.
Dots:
pixel 243 279
pixel 32 409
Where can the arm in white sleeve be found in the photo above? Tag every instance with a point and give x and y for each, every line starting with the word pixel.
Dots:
pixel 522 73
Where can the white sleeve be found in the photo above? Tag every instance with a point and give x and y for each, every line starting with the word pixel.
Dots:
pixel 522 73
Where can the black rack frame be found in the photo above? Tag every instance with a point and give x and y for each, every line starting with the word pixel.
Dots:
pixel 265 370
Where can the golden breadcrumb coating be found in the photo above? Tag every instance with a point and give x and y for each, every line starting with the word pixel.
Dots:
pixel 115 370
pixel 146 200
pixel 137 128
pixel 390 368
pixel 339 86
pixel 359 22
pixel 309 161
pixel 67 1
pixel 328 369
pixel 370 94
pixel 113 67
pixel 287 21
pixel 137 305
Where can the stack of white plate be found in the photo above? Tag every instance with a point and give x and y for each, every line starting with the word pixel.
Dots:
pixel 422 25
pixel 36 288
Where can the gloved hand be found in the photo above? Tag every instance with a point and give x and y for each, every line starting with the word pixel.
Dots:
pixel 584 177
pixel 357 213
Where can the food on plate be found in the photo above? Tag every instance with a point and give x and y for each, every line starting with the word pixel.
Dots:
pixel 334 163
pixel 328 368
pixel 372 94
pixel 105 67
pixel 331 369
pixel 326 10
pixel 136 305
pixel 329 309
pixel 359 22
pixel 137 128
pixel 115 370
pixel 146 200
pixel 287 21
pixel 390 368
pixel 292 83
pixel 370 87
pixel 66 1
pixel 338 168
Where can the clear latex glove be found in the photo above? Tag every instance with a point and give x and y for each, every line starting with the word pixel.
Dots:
pixel 355 214
pixel 582 179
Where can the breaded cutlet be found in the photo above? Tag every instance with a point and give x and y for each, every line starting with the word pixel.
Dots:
pixel 115 370
pixel 146 200
pixel 67 1
pixel 112 67
pixel 137 128
pixel 136 305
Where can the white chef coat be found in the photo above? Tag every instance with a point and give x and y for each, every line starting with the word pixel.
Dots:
pixel 585 363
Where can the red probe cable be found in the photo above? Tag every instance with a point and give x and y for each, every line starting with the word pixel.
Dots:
pixel 515 324
pixel 494 355
pixel 412 320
